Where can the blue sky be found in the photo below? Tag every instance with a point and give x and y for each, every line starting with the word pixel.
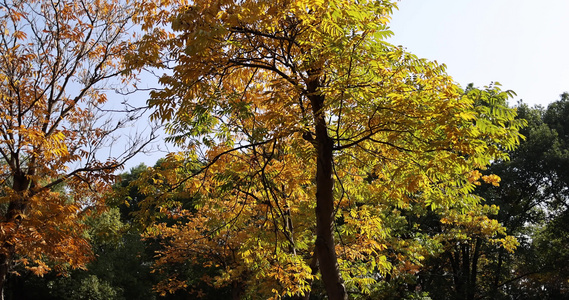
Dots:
pixel 523 44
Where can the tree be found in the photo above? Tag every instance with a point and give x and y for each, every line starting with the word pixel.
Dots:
pixel 521 196
pixel 468 242
pixel 57 59
pixel 140 216
pixel 121 268
pixel 312 130
pixel 533 201
pixel 531 198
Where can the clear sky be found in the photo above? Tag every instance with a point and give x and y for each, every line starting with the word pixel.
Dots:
pixel 523 44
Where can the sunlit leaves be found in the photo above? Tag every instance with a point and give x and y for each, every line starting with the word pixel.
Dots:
pixel 56 59
pixel 254 89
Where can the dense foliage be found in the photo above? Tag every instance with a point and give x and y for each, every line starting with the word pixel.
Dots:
pixel 317 160
pixel 57 60
pixel 314 139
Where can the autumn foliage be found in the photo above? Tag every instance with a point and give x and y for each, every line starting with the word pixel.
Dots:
pixel 56 60
pixel 310 144
pixel 315 155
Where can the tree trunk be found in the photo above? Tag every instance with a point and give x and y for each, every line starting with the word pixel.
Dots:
pixel 325 246
pixel 237 290
pixel 458 278
pixel 497 275
pixel 474 270
pixel 16 208
pixel 465 248
pixel 4 268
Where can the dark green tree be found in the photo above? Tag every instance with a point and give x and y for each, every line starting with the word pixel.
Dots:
pixel 533 201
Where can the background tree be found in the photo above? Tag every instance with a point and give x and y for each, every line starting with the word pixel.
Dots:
pixel 312 129
pixel 57 58
pixel 530 196
pixel 121 268
pixel 534 207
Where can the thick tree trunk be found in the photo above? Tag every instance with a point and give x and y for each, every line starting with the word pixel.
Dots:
pixel 325 246
pixel 16 208
pixel 237 290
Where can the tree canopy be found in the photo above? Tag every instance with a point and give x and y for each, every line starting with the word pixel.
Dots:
pixel 317 161
pixel 308 136
pixel 57 58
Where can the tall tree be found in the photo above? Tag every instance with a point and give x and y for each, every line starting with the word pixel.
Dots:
pixel 57 58
pixel 534 201
pixel 532 197
pixel 313 130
